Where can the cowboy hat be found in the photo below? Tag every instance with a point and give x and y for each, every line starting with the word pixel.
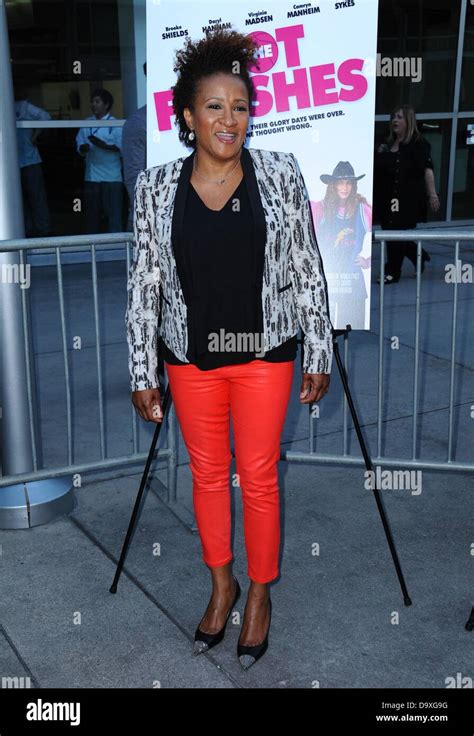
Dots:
pixel 343 170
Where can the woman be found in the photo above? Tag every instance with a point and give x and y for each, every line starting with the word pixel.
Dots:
pixel 403 174
pixel 342 220
pixel 225 237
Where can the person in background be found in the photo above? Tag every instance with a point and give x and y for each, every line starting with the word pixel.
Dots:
pixel 35 202
pixel 134 153
pixel 403 174
pixel 103 180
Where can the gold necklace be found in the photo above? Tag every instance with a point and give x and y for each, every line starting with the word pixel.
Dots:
pixel 215 181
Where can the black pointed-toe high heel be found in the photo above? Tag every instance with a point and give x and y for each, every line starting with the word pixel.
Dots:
pixel 202 641
pixel 248 655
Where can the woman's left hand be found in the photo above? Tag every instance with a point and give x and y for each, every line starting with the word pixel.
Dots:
pixel 313 387
pixel 434 202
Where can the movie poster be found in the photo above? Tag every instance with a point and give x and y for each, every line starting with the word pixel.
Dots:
pixel 315 97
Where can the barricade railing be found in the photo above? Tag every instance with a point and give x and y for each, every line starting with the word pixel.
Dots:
pixel 90 244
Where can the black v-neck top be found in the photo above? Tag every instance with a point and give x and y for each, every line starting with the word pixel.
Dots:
pixel 224 270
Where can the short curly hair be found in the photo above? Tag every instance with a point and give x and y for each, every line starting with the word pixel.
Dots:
pixel 220 51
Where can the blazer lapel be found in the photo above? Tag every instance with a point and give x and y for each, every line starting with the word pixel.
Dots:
pixel 178 219
pixel 260 225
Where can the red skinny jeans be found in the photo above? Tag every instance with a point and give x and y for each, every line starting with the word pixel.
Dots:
pixel 256 394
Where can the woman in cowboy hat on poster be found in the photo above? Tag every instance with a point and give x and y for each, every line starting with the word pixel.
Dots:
pixel 342 220
pixel 224 242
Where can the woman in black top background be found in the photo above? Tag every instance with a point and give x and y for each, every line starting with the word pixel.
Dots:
pixel 403 179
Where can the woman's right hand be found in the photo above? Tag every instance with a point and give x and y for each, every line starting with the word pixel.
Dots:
pixel 148 404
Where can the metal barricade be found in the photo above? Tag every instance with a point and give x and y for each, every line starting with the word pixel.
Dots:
pixel 88 244
pixel 448 463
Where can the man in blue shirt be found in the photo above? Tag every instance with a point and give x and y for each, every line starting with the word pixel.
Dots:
pixel 103 180
pixel 35 203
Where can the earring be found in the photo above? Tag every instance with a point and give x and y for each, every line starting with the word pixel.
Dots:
pixel 191 136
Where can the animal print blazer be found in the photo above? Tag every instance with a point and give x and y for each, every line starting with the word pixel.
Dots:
pixel 294 290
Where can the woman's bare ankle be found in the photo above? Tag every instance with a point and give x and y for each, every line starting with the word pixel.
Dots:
pixel 222 578
pixel 258 590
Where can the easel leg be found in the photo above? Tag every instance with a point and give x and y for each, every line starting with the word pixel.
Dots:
pixel 165 404
pixel 368 464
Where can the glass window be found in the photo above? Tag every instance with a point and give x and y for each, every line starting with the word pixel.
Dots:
pixel 466 95
pixel 424 33
pixel 463 193
pixel 61 53
pixel 66 193
pixel 61 48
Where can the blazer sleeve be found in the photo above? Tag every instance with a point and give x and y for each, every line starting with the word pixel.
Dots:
pixel 143 292
pixel 308 279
